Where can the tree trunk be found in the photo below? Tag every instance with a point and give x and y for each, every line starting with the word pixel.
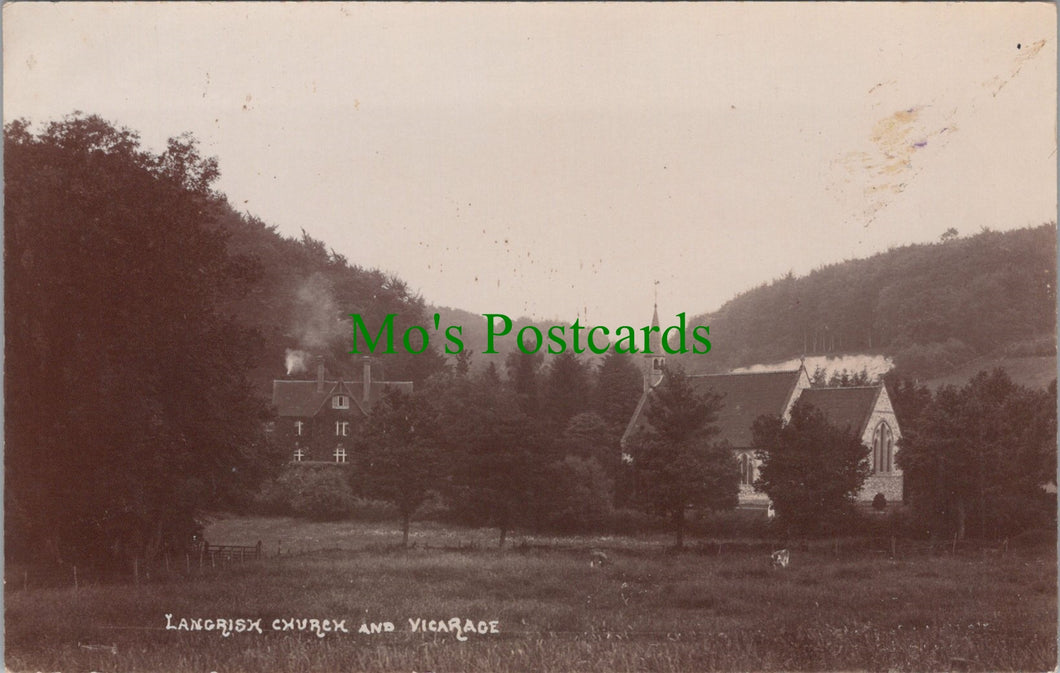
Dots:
pixel 679 526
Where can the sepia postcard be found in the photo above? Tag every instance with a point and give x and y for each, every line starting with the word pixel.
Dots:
pixel 584 336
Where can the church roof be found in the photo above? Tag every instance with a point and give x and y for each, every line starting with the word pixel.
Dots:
pixel 844 407
pixel 745 397
pixel 301 398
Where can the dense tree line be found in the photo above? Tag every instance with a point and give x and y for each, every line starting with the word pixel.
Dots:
pixel 535 448
pixel 932 307
pixel 146 319
pixel 978 459
pixel 128 406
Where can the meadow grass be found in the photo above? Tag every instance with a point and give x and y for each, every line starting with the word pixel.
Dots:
pixel 649 610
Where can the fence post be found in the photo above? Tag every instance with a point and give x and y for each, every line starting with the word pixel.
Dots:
pixel 75 577
pixel 25 579
pixel 136 570
pixel 257 550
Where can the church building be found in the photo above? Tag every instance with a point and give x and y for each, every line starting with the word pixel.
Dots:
pixel 865 410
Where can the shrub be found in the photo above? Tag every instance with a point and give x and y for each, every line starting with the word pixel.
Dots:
pixel 273 499
pixel 320 493
pixel 323 495
pixel 879 503
pixel 579 495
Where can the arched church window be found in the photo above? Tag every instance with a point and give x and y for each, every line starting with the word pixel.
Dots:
pixel 883 449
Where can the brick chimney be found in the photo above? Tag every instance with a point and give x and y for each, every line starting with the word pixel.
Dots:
pixel 320 376
pixel 367 377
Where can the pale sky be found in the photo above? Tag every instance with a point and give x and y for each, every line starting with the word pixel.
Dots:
pixel 557 159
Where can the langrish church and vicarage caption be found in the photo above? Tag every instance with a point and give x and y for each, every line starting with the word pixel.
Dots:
pixel 318 418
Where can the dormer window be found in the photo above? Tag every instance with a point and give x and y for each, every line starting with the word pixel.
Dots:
pixel 657 364
pixel 340 402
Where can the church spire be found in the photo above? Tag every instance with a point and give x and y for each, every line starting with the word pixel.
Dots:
pixel 654 357
pixel 655 340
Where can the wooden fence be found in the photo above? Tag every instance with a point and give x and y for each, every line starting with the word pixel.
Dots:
pixel 228 553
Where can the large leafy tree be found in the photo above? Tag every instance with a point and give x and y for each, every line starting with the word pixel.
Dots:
pixel 811 470
pixel 678 461
pixel 399 457
pixel 619 385
pixel 127 407
pixel 566 390
pixel 979 456
pixel 524 377
pixel 498 453
pixel 588 436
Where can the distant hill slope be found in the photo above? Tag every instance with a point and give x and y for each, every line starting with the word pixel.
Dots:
pixel 931 307
pixel 1035 371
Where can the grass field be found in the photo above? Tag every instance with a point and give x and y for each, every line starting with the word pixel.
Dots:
pixel 648 610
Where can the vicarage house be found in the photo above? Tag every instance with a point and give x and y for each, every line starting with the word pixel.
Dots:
pixel 318 419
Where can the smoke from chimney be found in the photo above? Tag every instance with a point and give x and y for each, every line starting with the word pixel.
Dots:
pixel 296 361
pixel 318 322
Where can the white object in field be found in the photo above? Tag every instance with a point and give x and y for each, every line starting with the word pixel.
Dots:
pixel 780 558
pixel 597 559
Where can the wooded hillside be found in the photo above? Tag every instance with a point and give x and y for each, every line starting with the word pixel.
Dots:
pixel 932 307
pixel 146 320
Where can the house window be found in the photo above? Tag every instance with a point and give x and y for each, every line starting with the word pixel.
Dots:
pixel 882 449
pixel 299 454
pixel 340 454
pixel 340 402
pixel 298 428
pixel 342 429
